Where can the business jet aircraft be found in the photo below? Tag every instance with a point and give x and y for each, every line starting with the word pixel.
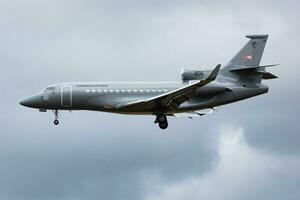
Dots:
pixel 199 92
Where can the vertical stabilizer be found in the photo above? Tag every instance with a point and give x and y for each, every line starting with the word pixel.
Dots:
pixel 250 54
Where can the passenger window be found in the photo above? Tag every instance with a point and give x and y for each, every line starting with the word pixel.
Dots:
pixel 45 97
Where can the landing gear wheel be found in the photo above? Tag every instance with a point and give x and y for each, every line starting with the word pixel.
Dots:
pixel 163 125
pixel 162 121
pixel 161 118
pixel 56 122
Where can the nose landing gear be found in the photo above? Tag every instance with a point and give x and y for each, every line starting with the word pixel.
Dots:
pixel 56 122
pixel 162 121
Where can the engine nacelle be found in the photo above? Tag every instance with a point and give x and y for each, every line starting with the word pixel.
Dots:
pixel 194 74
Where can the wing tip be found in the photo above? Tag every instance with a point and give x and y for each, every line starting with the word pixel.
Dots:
pixel 213 75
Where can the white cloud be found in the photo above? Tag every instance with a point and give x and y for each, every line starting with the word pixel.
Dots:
pixel 241 172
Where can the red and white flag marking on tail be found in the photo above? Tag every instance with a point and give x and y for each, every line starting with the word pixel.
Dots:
pixel 248 57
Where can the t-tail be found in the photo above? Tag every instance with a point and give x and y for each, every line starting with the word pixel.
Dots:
pixel 245 64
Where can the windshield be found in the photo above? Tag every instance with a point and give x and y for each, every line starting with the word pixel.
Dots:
pixel 49 89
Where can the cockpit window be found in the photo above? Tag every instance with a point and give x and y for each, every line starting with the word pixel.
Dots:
pixel 49 89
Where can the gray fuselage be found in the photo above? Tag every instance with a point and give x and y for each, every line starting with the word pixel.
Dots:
pixel 109 96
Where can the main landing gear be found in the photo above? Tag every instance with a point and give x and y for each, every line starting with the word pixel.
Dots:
pixel 162 121
pixel 56 122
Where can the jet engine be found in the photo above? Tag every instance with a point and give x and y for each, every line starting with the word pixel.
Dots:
pixel 194 74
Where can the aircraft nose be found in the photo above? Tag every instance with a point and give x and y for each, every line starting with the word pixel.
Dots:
pixel 23 102
pixel 32 102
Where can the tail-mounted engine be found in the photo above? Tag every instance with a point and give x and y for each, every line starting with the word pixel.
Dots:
pixel 194 74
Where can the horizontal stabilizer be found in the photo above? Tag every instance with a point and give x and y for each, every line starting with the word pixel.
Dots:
pixel 269 76
pixel 255 69
pixel 266 75
pixel 238 68
pixel 257 36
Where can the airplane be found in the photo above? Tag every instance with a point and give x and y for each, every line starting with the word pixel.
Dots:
pixel 198 93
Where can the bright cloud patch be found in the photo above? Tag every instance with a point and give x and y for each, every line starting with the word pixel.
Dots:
pixel 241 172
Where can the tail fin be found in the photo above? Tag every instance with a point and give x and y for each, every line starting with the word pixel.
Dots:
pixel 245 67
pixel 250 54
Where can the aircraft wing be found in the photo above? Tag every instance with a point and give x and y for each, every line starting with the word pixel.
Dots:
pixel 173 99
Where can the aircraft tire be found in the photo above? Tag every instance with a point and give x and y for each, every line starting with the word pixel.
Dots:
pixel 56 122
pixel 163 125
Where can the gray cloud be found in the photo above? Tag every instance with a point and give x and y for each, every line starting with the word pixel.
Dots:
pixel 96 155
pixel 241 172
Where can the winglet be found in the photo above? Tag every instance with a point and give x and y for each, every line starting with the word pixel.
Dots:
pixel 214 73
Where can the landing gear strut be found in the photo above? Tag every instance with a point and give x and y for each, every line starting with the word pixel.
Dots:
pixel 56 122
pixel 162 121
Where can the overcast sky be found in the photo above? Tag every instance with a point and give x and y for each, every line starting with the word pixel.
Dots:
pixel 248 150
